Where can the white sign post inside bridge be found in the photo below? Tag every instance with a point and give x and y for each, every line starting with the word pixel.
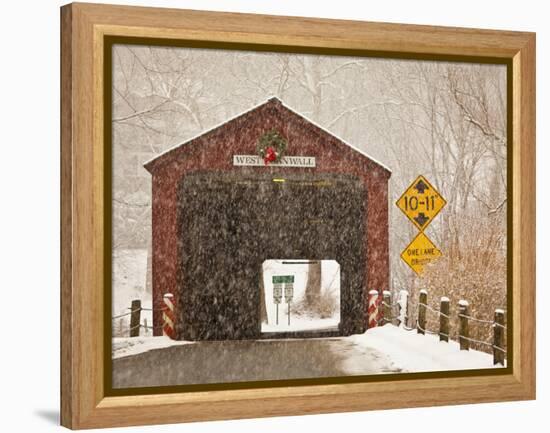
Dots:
pixel 278 281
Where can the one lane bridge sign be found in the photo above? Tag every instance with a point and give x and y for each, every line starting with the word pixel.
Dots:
pixel 421 202
pixel 420 252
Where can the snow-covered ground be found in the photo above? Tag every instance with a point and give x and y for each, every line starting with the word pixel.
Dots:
pixel 135 345
pixel 379 350
pixel 412 352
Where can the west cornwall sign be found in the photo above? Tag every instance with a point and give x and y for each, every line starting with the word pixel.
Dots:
pixel 286 161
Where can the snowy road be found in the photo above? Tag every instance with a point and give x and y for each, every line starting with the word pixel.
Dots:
pixel 235 361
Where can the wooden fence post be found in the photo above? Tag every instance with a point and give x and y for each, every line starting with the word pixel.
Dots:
pixel 387 307
pixel 135 318
pixel 463 331
pixel 498 341
pixel 422 302
pixel 444 319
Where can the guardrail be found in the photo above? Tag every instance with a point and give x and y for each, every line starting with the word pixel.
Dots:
pixel 135 325
pixel 385 315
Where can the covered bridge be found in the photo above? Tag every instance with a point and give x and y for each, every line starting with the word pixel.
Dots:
pixel 223 203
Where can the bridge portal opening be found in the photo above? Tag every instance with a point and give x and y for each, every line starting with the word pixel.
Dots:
pixel 300 295
pixel 231 225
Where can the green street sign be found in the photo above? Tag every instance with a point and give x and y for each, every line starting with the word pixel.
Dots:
pixel 282 279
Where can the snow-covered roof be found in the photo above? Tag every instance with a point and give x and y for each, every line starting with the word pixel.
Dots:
pixel 267 101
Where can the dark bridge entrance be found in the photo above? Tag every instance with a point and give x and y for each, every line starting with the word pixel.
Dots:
pixel 228 224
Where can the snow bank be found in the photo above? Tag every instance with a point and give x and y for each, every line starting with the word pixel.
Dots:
pixel 412 352
pixel 135 345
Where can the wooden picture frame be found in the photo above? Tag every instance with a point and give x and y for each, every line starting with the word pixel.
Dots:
pixel 84 30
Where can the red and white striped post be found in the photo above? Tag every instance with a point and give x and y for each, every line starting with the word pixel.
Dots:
pixel 373 308
pixel 168 316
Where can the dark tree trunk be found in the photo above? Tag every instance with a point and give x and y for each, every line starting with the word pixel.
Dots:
pixel 313 285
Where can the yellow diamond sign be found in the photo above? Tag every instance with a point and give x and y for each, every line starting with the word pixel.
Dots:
pixel 421 202
pixel 420 252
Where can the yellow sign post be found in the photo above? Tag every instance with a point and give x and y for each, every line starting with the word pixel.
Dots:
pixel 420 252
pixel 421 202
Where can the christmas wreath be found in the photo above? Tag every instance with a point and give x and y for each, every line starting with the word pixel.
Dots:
pixel 271 147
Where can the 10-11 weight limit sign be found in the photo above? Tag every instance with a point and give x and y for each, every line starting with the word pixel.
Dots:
pixel 421 202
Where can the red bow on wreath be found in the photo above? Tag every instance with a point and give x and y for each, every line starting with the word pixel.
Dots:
pixel 270 155
pixel 271 147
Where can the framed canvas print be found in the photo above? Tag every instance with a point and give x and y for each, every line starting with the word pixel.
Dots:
pixel 267 216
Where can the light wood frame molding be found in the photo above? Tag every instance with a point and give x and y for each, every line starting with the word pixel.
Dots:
pixel 83 400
